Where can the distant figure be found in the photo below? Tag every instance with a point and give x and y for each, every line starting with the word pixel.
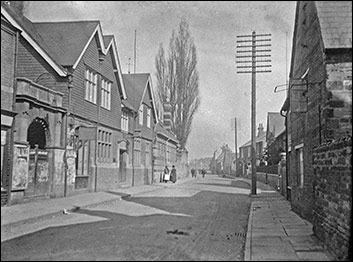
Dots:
pixel 173 175
pixel 203 171
pixel 193 172
pixel 166 175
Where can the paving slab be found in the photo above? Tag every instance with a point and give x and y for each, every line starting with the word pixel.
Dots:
pixel 276 233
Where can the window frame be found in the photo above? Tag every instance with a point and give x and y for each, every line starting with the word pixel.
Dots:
pixel 141 115
pixel 124 121
pixel 91 85
pixel 148 123
pixel 106 93
pixel 104 144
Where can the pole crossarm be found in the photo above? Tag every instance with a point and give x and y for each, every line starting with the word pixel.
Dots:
pixel 262 71
pixel 247 46
pixel 243 56
pixel 253 66
pixel 250 41
pixel 257 61
pixel 247 51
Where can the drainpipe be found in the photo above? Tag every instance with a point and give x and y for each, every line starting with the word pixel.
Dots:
pixel 12 129
pixel 133 150
pixel 70 85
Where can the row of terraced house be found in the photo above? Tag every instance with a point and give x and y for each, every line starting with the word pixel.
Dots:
pixel 313 128
pixel 71 121
pixel 317 116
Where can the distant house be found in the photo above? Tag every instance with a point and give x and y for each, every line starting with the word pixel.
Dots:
pixel 275 137
pixel 224 161
pixel 245 149
pixel 319 121
pixel 165 150
pixel 142 120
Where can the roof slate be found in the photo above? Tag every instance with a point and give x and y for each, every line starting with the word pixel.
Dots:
pixel 335 19
pixel 31 30
pixel 135 85
pixel 162 130
pixel 66 40
pixel 275 124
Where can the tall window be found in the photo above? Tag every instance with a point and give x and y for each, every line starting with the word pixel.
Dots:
pixel 148 118
pixel 147 155
pixel 104 146
pixel 91 86
pixel 141 115
pixel 300 161
pixel 106 94
pixel 137 151
pixel 125 121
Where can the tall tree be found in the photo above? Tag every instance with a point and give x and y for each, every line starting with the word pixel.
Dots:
pixel 178 80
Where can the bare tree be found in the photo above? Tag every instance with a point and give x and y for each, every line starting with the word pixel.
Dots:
pixel 178 81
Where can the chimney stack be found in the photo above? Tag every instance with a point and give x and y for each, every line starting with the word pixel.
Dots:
pixel 17 6
pixel 260 130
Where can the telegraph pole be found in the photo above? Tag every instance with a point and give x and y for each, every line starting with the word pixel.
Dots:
pixel 235 143
pixel 251 62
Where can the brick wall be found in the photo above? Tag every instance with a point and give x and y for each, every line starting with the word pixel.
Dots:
pixel 7 68
pixel 337 112
pixel 333 195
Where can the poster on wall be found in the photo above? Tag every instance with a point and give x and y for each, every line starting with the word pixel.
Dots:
pixel 71 166
pixel 20 167
pixel 59 168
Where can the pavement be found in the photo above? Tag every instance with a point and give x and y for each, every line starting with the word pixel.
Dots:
pixel 275 232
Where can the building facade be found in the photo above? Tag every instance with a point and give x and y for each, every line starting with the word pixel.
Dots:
pixel 141 128
pixel 318 112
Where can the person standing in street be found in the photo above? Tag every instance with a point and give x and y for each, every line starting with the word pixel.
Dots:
pixel 166 176
pixel 173 175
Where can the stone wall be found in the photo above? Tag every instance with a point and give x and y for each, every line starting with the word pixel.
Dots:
pixel 333 195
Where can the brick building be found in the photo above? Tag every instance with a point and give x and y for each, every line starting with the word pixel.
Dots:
pixel 245 149
pixel 68 105
pixel 318 111
pixel 141 128
pixel 9 36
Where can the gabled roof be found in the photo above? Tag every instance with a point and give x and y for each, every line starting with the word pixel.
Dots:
pixel 258 139
pixel 161 130
pixel 67 41
pixel 275 125
pixel 136 87
pixel 29 32
pixel 335 19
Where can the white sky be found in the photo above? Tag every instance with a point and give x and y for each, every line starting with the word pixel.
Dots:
pixel 214 26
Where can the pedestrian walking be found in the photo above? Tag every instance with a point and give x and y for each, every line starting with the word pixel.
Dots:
pixel 192 172
pixel 166 174
pixel 173 174
pixel 203 171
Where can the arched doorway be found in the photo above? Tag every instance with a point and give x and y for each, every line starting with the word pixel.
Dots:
pixel 38 177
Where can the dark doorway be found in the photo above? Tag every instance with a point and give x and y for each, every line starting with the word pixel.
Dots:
pixel 38 177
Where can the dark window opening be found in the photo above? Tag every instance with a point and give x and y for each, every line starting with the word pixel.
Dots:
pixel 36 134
